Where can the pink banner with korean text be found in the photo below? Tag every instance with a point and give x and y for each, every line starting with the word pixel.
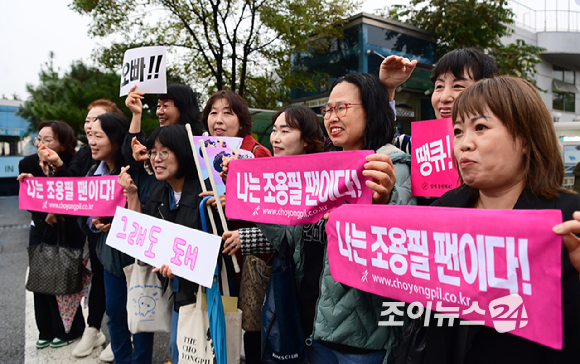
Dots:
pixel 432 170
pixel 80 196
pixel 499 268
pixel 295 190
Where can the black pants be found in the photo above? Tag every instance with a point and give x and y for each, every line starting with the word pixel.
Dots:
pixel 253 347
pixel 97 303
pixel 50 324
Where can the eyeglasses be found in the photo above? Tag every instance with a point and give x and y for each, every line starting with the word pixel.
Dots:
pixel 340 109
pixel 43 141
pixel 163 154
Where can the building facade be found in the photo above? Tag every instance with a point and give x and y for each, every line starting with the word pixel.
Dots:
pixel 14 145
pixel 366 35
pixel 558 76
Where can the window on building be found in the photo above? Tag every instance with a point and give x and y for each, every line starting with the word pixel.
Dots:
pixel 564 90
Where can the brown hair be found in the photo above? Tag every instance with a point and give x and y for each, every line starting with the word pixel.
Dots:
pixel 65 135
pixel 520 107
pixel 238 106
pixel 108 105
pixel 304 119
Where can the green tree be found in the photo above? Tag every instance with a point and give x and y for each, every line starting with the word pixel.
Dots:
pixel 478 24
pixel 241 45
pixel 66 97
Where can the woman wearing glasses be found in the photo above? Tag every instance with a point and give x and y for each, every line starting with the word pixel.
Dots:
pixel 178 106
pixel 54 137
pixel 340 322
pixel 107 134
pixel 173 197
pixel 79 166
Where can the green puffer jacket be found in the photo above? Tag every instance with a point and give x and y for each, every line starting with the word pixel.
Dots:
pixel 346 315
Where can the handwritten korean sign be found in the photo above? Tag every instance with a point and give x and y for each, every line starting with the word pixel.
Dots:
pixel 80 196
pixel 462 259
pixel 144 67
pixel 295 190
pixel 432 169
pixel 190 253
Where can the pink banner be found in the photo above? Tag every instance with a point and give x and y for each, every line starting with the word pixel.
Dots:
pixel 432 169
pixel 499 268
pixel 81 196
pixel 295 190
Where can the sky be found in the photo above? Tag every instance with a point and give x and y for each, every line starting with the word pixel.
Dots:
pixel 32 28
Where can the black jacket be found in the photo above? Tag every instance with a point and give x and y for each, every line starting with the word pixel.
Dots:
pixel 81 162
pixel 143 180
pixel 481 344
pixel 185 213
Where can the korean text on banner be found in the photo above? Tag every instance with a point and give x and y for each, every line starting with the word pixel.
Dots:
pixel 144 67
pixel 295 190
pixel 190 253
pixel 432 170
pixel 459 262
pixel 80 196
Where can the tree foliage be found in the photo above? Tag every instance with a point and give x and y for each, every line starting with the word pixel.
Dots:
pixel 66 97
pixel 478 24
pixel 241 45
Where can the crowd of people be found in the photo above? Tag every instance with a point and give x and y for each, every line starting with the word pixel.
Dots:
pixel 505 149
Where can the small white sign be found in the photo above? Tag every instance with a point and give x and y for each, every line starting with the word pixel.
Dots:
pixel 190 253
pixel 144 67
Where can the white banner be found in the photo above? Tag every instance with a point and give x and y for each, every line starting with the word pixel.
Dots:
pixel 190 253
pixel 144 67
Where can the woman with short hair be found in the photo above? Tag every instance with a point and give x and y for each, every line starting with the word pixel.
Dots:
pixel 55 138
pixel 508 157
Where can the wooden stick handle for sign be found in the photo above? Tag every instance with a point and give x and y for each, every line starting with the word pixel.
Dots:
pixel 217 197
pixel 200 176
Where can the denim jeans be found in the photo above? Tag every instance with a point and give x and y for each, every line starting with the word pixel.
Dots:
pixel 320 354
pixel 116 299
pixel 173 336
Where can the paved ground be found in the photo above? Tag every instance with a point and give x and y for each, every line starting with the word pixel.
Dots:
pixel 18 332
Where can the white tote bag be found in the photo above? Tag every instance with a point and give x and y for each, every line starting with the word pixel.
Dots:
pixel 233 319
pixel 148 308
pixel 193 337
pixel 234 336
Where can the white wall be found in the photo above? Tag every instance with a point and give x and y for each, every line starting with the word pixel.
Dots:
pixel 544 74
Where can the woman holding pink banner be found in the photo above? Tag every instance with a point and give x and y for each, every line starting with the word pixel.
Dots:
pixel 295 130
pixel 174 197
pixel 508 157
pixel 79 166
pixel 54 137
pixel 341 322
pixel 108 132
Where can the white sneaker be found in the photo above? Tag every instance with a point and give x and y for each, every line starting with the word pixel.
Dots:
pixel 91 339
pixel 107 354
